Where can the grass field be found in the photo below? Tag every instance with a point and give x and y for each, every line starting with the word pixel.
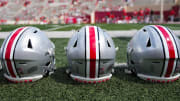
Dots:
pixel 63 27
pixel 59 87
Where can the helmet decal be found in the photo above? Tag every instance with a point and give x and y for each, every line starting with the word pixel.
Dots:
pixel 8 51
pixel 163 49
pixel 170 50
pixel 92 51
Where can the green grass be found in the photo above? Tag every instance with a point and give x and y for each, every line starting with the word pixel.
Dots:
pixel 5 28
pixel 59 87
pixel 66 27
pixel 134 26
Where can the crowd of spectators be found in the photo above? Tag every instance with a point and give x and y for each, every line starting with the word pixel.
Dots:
pixel 45 11
pixel 76 11
pixel 146 15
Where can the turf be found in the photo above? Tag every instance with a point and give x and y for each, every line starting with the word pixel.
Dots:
pixel 59 87
pixel 134 26
pixel 5 28
pixel 63 27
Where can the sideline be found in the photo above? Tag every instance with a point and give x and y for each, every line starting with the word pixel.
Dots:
pixel 68 34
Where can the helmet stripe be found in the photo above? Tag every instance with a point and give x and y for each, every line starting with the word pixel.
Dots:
pixel 175 49
pixel 9 51
pixel 177 52
pixel 170 49
pixel 92 52
pixel 163 46
pixel 92 41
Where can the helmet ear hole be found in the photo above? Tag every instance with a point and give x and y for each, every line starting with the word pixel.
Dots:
pixel 144 30
pixel 132 62
pixel 35 31
pixel 108 44
pixel 148 43
pixel 29 44
pixel 75 44
pixel 47 64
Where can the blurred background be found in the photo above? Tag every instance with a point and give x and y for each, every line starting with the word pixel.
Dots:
pixel 89 11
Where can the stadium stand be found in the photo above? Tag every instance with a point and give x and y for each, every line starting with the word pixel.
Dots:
pixel 79 11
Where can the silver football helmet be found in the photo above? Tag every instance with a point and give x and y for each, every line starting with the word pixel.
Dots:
pixel 153 54
pixel 27 55
pixel 91 55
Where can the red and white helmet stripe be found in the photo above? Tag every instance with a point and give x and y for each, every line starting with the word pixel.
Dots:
pixel 92 52
pixel 8 51
pixel 170 50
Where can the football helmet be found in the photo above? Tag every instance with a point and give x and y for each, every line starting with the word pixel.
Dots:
pixel 27 55
pixel 153 54
pixel 91 55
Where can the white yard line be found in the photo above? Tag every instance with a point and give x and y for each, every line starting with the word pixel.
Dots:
pixel 59 27
pixel 68 34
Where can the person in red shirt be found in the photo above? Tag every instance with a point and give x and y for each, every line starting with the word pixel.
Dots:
pixel 147 11
pixel 3 3
pixel 112 18
pixel 141 15
pixel 135 14
pixel 26 3
pixel 128 18
pixel 16 20
pixel 50 1
pixel 151 16
pixel 172 14
pixel 108 18
pixel 147 15
pixel 124 13
pixel 138 19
